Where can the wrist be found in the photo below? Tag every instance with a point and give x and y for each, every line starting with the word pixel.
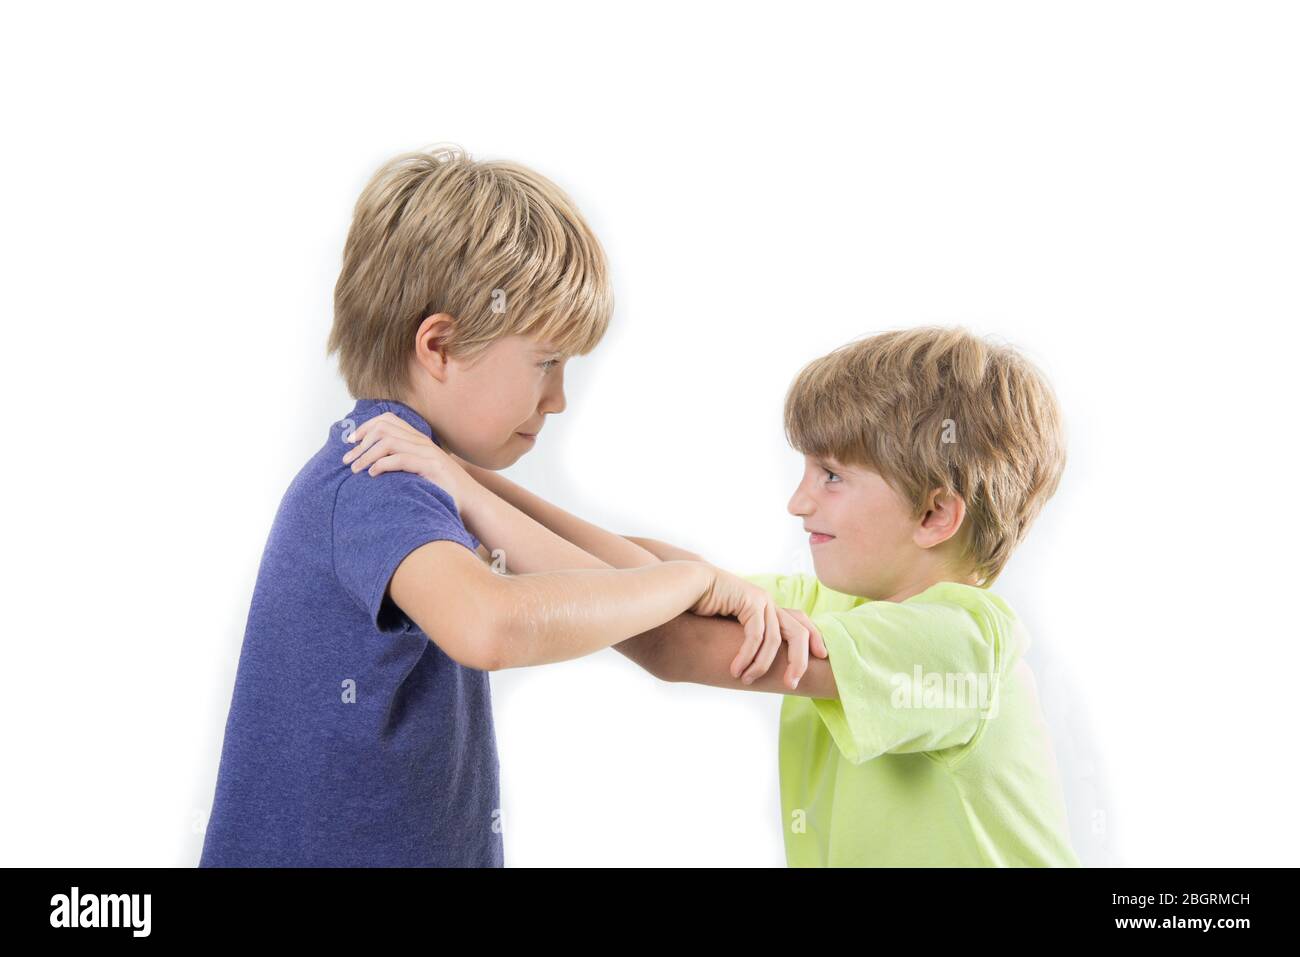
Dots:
pixel 702 574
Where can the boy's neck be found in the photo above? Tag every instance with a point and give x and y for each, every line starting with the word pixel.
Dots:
pixel 928 579
pixel 421 408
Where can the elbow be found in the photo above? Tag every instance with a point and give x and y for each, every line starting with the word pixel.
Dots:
pixel 494 647
pixel 473 641
pixel 481 656
pixel 487 650
pixel 469 650
pixel 669 677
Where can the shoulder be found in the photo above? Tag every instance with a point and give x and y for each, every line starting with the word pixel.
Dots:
pixel 395 505
pixel 361 489
pixel 978 600
pixel 998 623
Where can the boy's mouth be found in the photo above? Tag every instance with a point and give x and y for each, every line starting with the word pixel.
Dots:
pixel 817 538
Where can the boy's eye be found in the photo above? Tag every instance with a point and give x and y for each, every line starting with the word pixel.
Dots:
pixel 830 474
pixel 550 364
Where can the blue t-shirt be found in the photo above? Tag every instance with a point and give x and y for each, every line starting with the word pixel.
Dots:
pixel 352 739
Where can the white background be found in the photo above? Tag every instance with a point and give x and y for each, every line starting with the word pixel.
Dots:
pixel 1111 187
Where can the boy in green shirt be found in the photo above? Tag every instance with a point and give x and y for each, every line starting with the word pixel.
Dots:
pixel 912 735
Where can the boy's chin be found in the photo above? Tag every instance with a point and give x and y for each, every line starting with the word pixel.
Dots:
pixel 836 581
pixel 824 574
pixel 502 459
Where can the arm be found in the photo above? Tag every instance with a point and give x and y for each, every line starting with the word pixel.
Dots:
pixel 526 544
pixel 705 662
pixel 387 444
pixel 531 534
pixel 663 551
pixel 642 650
pixel 698 650
pixel 502 504
pixel 614 550
pixel 620 551
pixel 501 514
pixel 489 621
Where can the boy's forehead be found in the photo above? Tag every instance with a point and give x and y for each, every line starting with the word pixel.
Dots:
pixel 837 466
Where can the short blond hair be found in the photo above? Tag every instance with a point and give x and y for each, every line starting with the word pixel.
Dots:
pixel 497 246
pixel 939 408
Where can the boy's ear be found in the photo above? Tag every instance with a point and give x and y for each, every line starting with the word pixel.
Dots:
pixel 944 513
pixel 431 343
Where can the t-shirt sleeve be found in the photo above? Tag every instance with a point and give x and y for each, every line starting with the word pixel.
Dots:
pixel 911 676
pixel 378 521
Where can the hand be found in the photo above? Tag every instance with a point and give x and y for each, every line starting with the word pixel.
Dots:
pixel 389 443
pixel 765 626
pixel 802 636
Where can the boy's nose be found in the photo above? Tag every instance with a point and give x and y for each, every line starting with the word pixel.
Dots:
pixel 798 504
pixel 554 400
pixel 552 404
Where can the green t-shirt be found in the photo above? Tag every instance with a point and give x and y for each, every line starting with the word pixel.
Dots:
pixel 935 753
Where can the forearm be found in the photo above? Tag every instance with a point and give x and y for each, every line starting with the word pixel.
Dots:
pixel 700 650
pixel 663 551
pixel 560 615
pixel 612 549
pixel 526 545
pixel 539 536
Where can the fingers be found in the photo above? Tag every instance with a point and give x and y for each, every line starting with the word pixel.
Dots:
pixel 758 616
pixel 369 426
pixel 378 452
pixel 771 641
pixel 371 430
pixel 361 441
pixel 749 647
pixel 365 435
pixel 396 462
pixel 366 448
pixel 796 637
pixel 378 437
pixel 816 644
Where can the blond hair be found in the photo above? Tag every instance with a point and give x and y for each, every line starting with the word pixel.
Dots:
pixel 497 246
pixel 939 408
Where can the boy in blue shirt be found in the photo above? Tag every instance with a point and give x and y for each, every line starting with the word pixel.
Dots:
pixel 360 727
